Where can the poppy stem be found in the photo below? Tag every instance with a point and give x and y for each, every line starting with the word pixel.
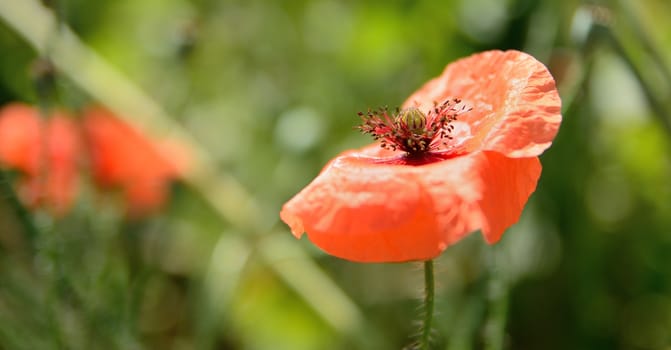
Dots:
pixel 428 305
pixel 495 328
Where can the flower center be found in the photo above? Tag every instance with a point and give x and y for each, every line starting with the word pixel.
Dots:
pixel 414 120
pixel 410 130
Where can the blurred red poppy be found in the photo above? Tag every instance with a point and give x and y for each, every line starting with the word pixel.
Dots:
pixel 445 171
pixel 123 157
pixel 44 151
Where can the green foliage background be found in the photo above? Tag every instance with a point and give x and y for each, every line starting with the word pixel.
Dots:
pixel 271 90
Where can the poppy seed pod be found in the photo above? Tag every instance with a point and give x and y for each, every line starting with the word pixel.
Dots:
pixel 413 119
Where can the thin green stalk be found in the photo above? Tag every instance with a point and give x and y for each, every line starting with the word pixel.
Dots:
pixel 428 305
pixel 498 299
pixel 496 326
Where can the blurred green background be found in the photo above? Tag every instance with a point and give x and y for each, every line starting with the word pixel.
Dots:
pixel 270 90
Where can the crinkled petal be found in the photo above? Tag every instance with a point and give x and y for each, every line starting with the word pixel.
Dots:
pixel 361 211
pixel 367 208
pixel 516 106
pixel 370 209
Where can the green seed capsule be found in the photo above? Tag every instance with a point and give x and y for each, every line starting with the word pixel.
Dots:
pixel 414 119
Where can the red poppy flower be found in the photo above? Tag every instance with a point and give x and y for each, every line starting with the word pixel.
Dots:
pixel 46 152
pixel 123 157
pixel 462 155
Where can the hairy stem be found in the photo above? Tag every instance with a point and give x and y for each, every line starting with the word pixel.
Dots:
pixel 428 305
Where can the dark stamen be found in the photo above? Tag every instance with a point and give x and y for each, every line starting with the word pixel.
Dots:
pixel 410 130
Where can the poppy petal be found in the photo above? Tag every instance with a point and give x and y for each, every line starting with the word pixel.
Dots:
pixel 369 209
pixel 145 196
pixel 516 108
pixel 507 185
pixel 63 147
pixel 122 156
pixel 364 208
pixel 46 151
pixel 20 126
pixel 362 212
